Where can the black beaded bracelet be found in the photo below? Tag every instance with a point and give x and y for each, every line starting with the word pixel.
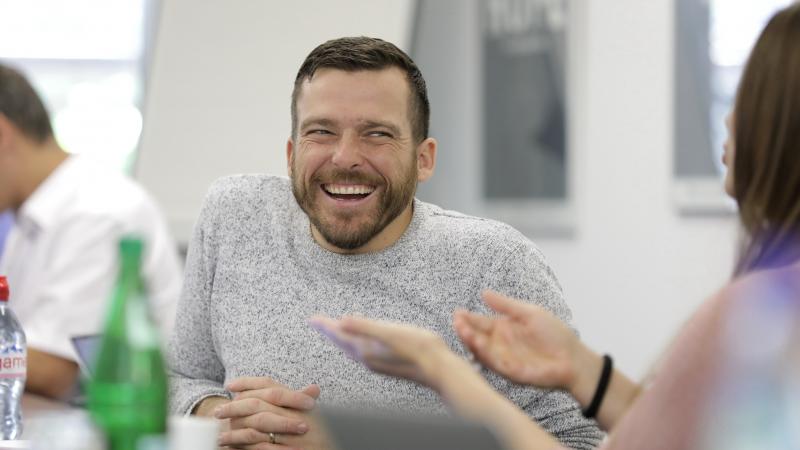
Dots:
pixel 602 386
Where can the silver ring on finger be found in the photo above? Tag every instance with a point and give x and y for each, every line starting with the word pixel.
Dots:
pixel 273 438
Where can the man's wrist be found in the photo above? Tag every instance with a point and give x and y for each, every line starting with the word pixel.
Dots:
pixel 206 406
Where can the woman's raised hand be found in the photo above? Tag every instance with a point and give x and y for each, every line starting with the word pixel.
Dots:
pixel 523 342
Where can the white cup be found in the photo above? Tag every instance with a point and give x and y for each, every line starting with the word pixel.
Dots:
pixel 193 433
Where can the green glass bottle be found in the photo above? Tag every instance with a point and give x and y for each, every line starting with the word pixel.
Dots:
pixel 127 396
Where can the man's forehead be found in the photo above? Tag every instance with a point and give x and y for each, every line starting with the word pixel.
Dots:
pixel 332 93
pixel 391 79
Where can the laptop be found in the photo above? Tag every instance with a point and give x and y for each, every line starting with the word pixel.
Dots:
pixel 87 347
pixel 352 429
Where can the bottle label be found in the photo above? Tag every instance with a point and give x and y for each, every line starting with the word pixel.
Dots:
pixel 13 361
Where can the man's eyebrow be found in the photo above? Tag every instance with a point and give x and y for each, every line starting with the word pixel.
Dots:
pixel 367 124
pixel 318 121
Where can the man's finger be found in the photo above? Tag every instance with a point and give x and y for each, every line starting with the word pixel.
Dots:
pixel 312 390
pixel 241 408
pixel 266 446
pixel 246 383
pixel 241 437
pixel 281 443
pixel 283 397
pixel 250 439
pixel 269 422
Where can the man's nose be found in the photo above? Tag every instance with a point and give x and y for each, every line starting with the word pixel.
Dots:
pixel 347 153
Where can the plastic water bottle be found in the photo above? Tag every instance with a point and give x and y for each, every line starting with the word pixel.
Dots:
pixel 13 367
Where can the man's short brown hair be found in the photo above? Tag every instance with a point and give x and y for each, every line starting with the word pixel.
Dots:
pixel 20 103
pixel 364 53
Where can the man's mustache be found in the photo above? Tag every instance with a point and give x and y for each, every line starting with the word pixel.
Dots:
pixel 346 177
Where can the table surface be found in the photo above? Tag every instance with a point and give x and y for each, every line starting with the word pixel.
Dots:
pixel 54 425
pixel 35 407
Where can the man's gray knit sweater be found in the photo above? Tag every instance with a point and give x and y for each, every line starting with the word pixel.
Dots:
pixel 254 275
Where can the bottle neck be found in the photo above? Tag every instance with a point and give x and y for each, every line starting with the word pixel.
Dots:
pixel 127 292
pixel 129 271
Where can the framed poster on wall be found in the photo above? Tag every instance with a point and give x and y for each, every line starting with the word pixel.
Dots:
pixel 496 72
pixel 523 100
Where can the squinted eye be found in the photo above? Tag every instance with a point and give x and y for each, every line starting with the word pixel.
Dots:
pixel 379 134
pixel 320 132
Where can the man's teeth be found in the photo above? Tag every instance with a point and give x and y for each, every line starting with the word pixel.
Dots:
pixel 349 189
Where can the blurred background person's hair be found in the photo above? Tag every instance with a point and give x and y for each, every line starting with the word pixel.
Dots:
pixel 22 106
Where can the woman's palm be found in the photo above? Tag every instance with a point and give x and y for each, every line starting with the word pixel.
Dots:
pixel 524 342
pixel 531 350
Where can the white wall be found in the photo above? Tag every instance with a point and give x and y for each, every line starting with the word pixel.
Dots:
pixel 219 104
pixel 636 268
pixel 219 91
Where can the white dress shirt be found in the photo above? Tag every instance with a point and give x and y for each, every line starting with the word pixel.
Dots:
pixel 62 255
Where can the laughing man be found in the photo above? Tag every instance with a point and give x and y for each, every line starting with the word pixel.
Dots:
pixel 343 234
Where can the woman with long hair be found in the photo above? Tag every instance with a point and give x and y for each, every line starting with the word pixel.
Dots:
pixel 529 346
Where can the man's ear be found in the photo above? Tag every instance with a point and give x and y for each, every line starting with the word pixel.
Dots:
pixel 8 134
pixel 426 158
pixel 289 155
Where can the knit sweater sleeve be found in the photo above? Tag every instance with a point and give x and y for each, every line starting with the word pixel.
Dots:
pixel 524 274
pixel 195 369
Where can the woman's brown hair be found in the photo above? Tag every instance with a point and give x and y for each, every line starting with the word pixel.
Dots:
pixel 767 142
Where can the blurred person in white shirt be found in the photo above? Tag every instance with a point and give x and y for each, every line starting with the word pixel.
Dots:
pixel 60 255
pixel 5 225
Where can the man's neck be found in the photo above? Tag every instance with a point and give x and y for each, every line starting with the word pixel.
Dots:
pixel 386 238
pixel 39 163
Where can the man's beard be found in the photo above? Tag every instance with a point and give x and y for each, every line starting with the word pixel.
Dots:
pixel 349 233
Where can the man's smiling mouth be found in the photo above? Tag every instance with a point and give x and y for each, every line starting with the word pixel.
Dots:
pixel 348 191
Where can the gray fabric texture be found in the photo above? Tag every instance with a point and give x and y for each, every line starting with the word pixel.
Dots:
pixel 254 275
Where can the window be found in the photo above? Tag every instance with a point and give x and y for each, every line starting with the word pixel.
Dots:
pixel 734 28
pixel 86 58
pixel 713 40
